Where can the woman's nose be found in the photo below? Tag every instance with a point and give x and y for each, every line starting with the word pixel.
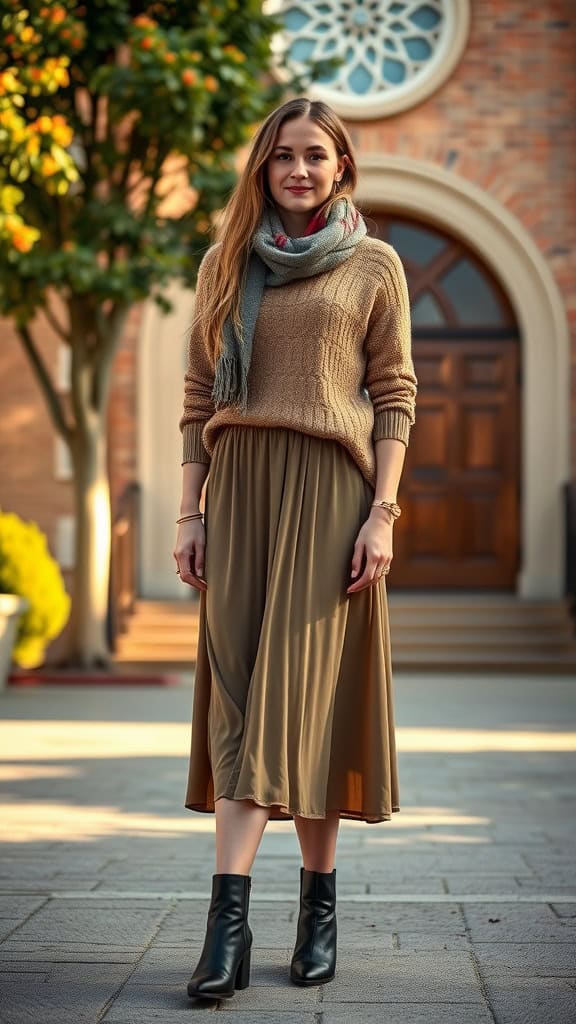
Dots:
pixel 299 170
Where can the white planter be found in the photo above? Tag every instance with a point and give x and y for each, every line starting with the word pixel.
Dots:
pixel 11 608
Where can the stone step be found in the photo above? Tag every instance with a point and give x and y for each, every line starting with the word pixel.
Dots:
pixel 178 630
pixel 429 631
pixel 413 601
pixel 404 661
pixel 436 643
pixel 429 638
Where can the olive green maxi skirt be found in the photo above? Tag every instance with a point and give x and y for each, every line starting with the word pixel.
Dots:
pixel 293 692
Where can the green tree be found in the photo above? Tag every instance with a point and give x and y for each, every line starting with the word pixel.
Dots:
pixel 105 110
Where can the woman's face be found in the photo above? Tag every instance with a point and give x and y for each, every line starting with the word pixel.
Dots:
pixel 301 171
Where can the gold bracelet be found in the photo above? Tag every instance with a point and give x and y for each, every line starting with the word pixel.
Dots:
pixel 194 515
pixel 392 507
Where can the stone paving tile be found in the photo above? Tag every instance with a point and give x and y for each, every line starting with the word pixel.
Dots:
pixel 550 859
pixel 174 964
pixel 172 1006
pixel 398 977
pixel 154 873
pixel 19 907
pixel 280 995
pixel 406 1013
pixel 74 921
pixel 490 860
pixel 21 869
pixel 23 974
pixel 47 884
pixel 556 873
pixel 406 940
pixel 28 952
pixel 566 910
pixel 367 920
pixel 477 884
pixel 547 886
pixel 520 1000
pixel 270 923
pixel 517 834
pixel 390 887
pixel 152 885
pixel 517 923
pixel 270 985
pixel 7 926
pixel 63 995
pixel 397 963
pixel 534 959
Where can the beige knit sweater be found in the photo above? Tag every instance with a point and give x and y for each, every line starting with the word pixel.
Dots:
pixel 331 358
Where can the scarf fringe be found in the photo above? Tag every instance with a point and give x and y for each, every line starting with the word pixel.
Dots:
pixel 230 385
pixel 225 381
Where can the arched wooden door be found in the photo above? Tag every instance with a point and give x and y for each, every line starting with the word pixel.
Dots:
pixel 460 487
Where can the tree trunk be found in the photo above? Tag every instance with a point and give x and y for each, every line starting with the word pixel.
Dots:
pixel 94 340
pixel 87 645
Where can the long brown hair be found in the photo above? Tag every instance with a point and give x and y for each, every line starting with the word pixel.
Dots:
pixel 244 210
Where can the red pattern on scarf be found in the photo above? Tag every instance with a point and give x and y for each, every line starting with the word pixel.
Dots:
pixel 316 223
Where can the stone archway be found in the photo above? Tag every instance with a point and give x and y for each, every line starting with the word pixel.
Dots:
pixel 423 190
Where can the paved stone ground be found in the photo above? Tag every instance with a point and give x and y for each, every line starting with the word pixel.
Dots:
pixel 461 910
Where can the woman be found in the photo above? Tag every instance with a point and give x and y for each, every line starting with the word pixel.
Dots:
pixel 299 398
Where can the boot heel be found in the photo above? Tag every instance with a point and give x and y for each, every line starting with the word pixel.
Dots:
pixel 243 972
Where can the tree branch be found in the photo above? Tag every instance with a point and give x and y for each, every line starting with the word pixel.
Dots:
pixel 132 150
pixel 55 324
pixel 109 332
pixel 39 367
pixel 81 365
pixel 161 155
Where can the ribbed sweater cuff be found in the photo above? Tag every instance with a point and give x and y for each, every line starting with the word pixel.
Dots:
pixel 394 423
pixel 193 449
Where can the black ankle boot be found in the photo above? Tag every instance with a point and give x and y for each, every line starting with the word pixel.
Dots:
pixel 314 959
pixel 224 963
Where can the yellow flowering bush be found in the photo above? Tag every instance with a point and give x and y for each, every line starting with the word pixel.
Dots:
pixel 31 148
pixel 28 569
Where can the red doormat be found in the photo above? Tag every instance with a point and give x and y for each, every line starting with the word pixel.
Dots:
pixel 71 677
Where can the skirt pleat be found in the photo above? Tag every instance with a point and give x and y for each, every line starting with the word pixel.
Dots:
pixel 293 704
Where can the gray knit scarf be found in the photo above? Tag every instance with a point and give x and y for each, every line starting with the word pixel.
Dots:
pixel 276 259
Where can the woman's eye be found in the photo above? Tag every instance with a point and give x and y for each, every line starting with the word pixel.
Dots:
pixel 287 156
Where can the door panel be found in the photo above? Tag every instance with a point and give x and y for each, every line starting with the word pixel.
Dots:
pixel 458 493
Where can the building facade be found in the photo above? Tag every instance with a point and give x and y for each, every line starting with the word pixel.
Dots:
pixel 463 119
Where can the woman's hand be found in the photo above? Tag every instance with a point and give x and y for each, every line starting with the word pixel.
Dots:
pixel 374 542
pixel 189 552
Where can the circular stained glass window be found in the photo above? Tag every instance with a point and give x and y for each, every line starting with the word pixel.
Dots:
pixel 391 54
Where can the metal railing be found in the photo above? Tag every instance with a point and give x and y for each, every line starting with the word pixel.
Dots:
pixel 124 562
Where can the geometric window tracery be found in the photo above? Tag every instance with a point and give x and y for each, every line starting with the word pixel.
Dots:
pixel 449 287
pixel 391 52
